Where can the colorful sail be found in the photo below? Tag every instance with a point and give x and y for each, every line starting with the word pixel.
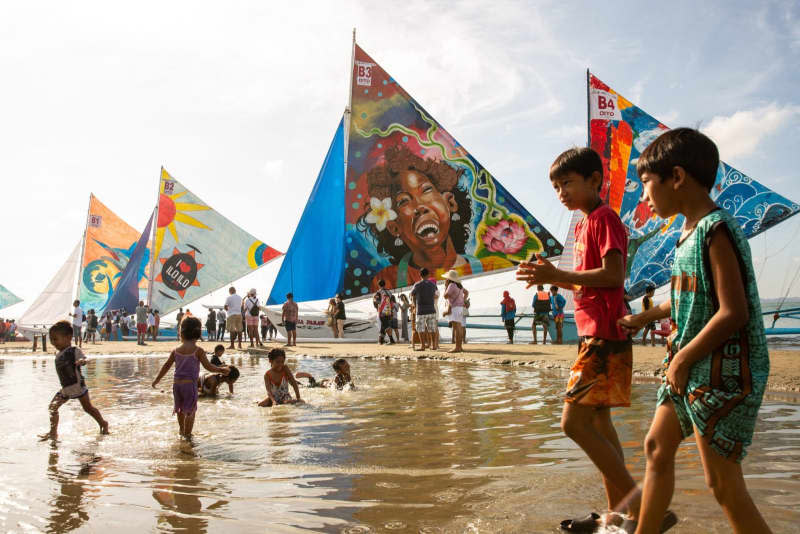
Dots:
pixel 127 293
pixel 322 223
pixel 108 246
pixel 196 249
pixel 7 298
pixel 415 197
pixel 619 131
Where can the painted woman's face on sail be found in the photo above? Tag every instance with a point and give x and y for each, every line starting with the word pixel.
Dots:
pixel 423 213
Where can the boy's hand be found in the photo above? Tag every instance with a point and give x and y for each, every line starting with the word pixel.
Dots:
pixel 540 272
pixel 677 375
pixel 630 324
pixel 82 361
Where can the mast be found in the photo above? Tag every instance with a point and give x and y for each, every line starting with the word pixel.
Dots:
pixel 347 115
pixel 588 111
pixel 153 251
pixel 83 247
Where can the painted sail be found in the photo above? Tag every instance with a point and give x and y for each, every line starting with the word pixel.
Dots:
pixel 109 243
pixel 196 249
pixel 415 197
pixel 127 294
pixel 7 298
pixel 319 237
pixel 619 131
pixel 55 302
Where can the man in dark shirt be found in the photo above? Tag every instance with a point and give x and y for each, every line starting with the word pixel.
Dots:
pixel 424 297
pixel 340 315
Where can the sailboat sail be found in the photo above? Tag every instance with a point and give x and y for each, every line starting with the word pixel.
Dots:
pixel 196 249
pixel 319 237
pixel 619 131
pixel 127 293
pixel 7 298
pixel 415 197
pixel 108 246
pixel 55 302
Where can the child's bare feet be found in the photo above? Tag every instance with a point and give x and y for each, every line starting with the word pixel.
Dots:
pixel 104 427
pixel 46 436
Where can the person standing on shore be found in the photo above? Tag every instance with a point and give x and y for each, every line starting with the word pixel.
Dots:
pixel 178 319
pixel 77 322
pixel 382 301
pixel 331 313
pixel 264 323
pixel 289 317
pixel 341 317
pixel 222 315
pixel 600 378
pixel 508 311
pixel 423 295
pixel 211 325
pixel 454 295
pixel 541 313
pixel 557 304
pixel 233 304
pixel 252 309
pixel 647 303
pixel 404 308
pixel 141 323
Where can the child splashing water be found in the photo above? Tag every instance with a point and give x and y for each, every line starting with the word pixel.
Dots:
pixel 187 359
pixel 277 380
pixel 68 366
pixel 340 381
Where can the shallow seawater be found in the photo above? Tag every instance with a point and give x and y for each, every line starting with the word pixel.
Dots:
pixel 421 447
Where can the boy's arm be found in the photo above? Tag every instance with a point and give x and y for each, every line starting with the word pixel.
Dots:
pixel 293 382
pixel 611 274
pixel 80 357
pixel 633 323
pixel 164 369
pixel 210 366
pixel 731 315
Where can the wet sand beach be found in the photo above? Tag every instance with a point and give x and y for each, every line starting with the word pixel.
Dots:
pixel 647 361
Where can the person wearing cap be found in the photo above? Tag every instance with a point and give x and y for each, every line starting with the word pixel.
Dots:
pixel 340 315
pixel 252 310
pixel 508 311
pixel 454 295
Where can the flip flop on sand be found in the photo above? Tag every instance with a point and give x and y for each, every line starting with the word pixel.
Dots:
pixel 587 523
pixel 669 521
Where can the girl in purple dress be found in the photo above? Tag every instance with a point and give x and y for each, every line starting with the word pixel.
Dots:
pixel 187 359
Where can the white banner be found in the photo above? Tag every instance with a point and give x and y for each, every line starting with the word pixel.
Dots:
pixel 603 105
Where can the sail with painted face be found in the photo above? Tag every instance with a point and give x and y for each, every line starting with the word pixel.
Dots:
pixel 196 249
pixel 108 245
pixel 415 197
pixel 620 131
pixel 7 298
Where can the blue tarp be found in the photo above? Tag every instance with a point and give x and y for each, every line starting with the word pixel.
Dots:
pixel 126 294
pixel 313 267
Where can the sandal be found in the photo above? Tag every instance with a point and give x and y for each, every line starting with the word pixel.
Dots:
pixel 587 523
pixel 669 521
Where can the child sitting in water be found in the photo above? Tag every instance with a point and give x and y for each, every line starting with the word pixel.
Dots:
pixel 187 359
pixel 68 366
pixel 277 380
pixel 342 378
pixel 208 384
pixel 219 350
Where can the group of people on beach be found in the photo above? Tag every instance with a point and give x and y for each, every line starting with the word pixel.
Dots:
pixel 114 325
pixel 715 371
pixel 8 330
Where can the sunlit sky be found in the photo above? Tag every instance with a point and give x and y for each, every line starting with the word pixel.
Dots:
pixel 239 101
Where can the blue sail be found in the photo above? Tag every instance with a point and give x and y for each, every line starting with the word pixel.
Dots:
pixel 313 267
pixel 7 298
pixel 126 294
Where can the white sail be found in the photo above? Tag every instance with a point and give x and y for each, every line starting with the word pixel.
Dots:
pixel 54 303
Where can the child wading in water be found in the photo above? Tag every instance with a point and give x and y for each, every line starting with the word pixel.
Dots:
pixel 340 381
pixel 187 359
pixel 68 366
pixel 277 380
pixel 600 378
pixel 208 384
pixel 717 363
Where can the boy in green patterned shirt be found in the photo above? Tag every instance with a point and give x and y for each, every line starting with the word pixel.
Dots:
pixel 717 364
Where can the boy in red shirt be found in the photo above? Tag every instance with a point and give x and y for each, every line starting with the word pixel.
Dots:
pixel 600 378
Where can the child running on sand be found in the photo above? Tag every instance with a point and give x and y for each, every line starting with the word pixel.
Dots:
pixel 600 378
pixel 208 384
pixel 717 363
pixel 68 366
pixel 187 359
pixel 340 381
pixel 277 380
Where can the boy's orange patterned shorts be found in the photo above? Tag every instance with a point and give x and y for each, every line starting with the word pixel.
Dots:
pixel 601 375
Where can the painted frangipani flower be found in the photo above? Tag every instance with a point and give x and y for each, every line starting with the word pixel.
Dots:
pixel 380 212
pixel 506 237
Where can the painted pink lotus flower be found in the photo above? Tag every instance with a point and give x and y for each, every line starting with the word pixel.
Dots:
pixel 506 237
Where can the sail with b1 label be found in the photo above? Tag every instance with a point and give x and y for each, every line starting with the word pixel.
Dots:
pixel 403 195
pixel 620 131
pixel 196 250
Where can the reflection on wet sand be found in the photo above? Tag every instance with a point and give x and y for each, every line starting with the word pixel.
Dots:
pixel 74 490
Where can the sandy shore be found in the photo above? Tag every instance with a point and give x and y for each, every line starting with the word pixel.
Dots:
pixel 784 375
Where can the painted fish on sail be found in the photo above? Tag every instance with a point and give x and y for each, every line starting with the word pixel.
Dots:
pixel 108 246
pixel 619 131
pixel 197 250
pixel 7 298
pixel 416 198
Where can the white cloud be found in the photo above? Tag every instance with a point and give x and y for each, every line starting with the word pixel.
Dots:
pixel 740 134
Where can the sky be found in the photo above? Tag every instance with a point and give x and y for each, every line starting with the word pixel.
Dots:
pixel 239 101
